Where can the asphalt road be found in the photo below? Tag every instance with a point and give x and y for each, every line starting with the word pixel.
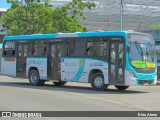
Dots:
pixel 19 95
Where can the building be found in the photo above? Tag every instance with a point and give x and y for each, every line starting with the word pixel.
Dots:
pixel 138 15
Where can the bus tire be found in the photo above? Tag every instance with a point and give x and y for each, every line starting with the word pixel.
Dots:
pixel 121 87
pixel 34 78
pixel 60 83
pixel 42 82
pixel 97 82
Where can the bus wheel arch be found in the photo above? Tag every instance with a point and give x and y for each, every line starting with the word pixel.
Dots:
pixel 34 78
pixel 96 78
pixel 91 73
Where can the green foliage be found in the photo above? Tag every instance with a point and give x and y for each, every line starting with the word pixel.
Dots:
pixel 31 17
pixel 76 7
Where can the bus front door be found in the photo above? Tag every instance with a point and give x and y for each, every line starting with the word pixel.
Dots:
pixel 55 61
pixel 21 59
pixel 116 63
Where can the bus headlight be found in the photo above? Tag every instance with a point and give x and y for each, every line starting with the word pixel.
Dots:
pixel 132 74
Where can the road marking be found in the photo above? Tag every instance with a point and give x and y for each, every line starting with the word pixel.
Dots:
pixel 112 101
pixel 50 118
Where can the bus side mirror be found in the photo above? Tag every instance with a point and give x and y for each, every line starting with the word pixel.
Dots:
pixel 128 49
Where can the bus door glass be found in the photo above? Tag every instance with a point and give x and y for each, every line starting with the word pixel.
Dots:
pixel 55 60
pixel 21 59
pixel 116 65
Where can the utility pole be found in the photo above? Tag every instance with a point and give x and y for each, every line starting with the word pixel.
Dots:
pixel 121 14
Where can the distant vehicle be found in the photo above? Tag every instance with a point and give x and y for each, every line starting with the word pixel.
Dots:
pixel 101 58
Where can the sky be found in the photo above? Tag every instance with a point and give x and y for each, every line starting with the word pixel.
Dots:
pixel 4 4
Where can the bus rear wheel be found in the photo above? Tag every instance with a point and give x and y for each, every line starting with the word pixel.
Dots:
pixel 60 83
pixel 121 87
pixel 97 82
pixel 34 78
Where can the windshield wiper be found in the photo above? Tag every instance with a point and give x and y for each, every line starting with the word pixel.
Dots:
pixel 139 49
pixel 147 49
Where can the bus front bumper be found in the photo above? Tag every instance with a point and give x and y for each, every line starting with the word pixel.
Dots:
pixel 146 82
pixel 140 79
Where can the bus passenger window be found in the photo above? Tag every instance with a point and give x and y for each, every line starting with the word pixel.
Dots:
pixel 39 48
pixel 25 51
pixel 96 47
pixel 34 52
pixel 90 51
pixel 70 44
pixel 9 49
pixel 44 48
pixel 20 53
pixel 120 54
pixel 20 50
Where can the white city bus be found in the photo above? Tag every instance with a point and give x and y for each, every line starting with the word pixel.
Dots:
pixel 102 58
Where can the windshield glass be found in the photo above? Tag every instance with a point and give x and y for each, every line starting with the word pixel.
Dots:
pixel 158 52
pixel 142 53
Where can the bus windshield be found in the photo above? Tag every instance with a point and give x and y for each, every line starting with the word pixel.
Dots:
pixel 158 52
pixel 142 52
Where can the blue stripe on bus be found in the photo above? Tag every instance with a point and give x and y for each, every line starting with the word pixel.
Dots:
pixel 78 34
pixel 105 33
pixel 79 73
pixel 37 36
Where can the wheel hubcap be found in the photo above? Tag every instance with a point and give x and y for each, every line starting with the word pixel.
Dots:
pixel 98 82
pixel 33 78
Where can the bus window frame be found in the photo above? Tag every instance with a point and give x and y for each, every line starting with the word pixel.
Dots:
pixel 3 48
pixel 66 49
pixel 30 43
pixel 105 57
pixel 51 41
pixel 21 42
pixel 75 40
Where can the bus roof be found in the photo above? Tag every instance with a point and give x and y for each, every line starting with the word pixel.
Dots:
pixel 62 35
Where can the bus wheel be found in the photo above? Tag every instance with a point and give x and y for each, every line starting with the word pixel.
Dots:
pixel 42 82
pixel 34 78
pixel 121 87
pixel 97 82
pixel 60 83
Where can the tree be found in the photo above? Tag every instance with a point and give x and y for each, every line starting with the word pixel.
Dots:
pixel 31 16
